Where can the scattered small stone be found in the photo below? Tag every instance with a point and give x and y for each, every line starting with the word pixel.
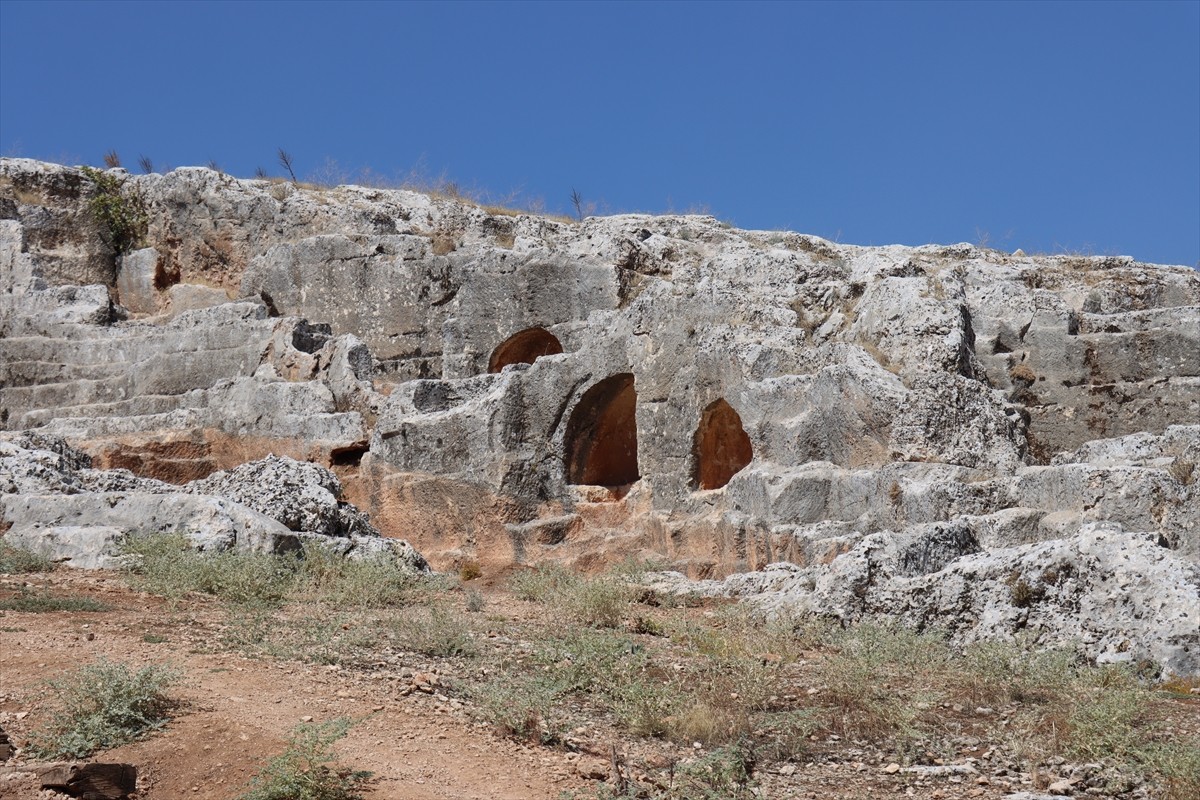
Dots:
pixel 940 770
pixel 1065 786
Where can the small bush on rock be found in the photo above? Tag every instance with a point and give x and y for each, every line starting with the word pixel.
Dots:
pixel 121 216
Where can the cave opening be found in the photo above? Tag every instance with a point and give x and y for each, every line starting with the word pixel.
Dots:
pixel 601 439
pixel 721 448
pixel 524 347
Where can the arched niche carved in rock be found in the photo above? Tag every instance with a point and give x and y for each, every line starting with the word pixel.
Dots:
pixel 601 439
pixel 524 347
pixel 721 448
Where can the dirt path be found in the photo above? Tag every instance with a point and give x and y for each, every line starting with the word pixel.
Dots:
pixel 238 712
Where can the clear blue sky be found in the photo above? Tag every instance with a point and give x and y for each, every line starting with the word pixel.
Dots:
pixel 1045 126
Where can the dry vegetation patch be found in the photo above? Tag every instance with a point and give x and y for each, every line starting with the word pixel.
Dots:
pixel 660 697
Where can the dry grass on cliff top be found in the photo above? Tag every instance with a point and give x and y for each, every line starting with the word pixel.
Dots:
pixel 660 697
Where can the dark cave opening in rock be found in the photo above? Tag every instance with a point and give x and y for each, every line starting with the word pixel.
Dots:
pixel 524 347
pixel 601 441
pixel 721 448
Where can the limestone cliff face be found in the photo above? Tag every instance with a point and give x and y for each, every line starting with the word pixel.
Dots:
pixel 508 388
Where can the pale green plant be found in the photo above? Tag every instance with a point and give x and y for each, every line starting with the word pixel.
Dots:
pixel 307 769
pixel 103 705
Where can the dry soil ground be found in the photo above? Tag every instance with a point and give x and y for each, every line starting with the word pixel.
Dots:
pixel 420 741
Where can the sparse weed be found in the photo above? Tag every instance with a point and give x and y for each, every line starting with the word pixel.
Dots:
pixel 538 583
pixel 723 774
pixel 104 705
pixel 42 602
pixel 378 582
pixel 475 601
pixel 599 602
pixel 316 635
pixel 589 660
pixel 645 705
pixel 784 735
pixel 15 560
pixel 433 631
pixel 1002 672
pixel 1178 764
pixel 1109 722
pixel 307 769
pixel 864 675
pixel 166 565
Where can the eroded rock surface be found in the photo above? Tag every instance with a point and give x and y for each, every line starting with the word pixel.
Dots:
pixel 506 388
pixel 54 504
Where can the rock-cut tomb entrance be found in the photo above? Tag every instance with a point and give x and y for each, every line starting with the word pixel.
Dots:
pixel 601 439
pixel 721 449
pixel 524 347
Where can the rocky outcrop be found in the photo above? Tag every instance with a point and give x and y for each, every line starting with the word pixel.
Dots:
pixel 506 388
pixel 52 503
pixel 1116 595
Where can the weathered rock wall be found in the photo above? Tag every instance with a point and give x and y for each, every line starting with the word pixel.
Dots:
pixel 506 388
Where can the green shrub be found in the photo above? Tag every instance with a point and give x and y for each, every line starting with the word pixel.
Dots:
pixel 522 705
pixel 120 215
pixel 14 560
pixel 306 769
pixel 103 705
pixel 1178 765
